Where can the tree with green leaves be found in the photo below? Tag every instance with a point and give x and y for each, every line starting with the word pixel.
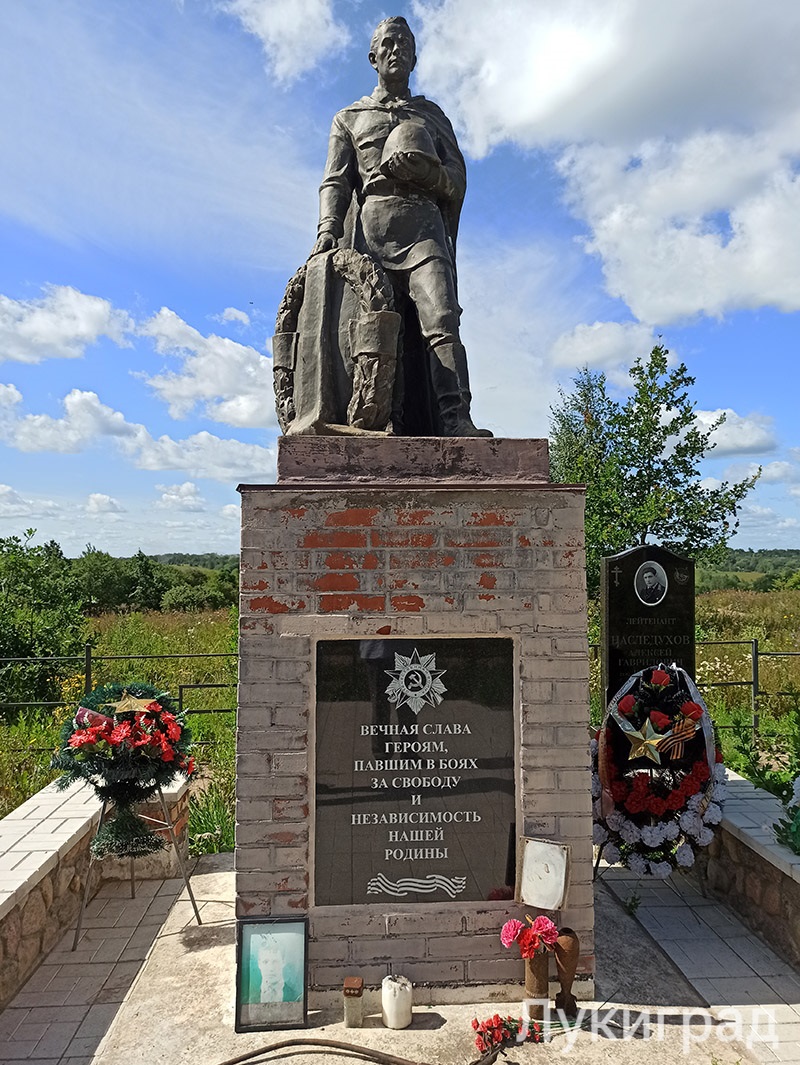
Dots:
pixel 149 581
pixel 40 617
pixel 639 459
pixel 106 583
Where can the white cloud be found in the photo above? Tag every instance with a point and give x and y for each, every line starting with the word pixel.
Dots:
pixel 233 314
pixel 738 435
pixel 87 422
pixel 13 505
pixel 763 525
pixel 98 503
pixel 205 455
pixel 184 496
pixel 602 344
pixel 777 472
pixel 707 225
pixel 10 396
pixel 11 502
pixel 573 70
pixel 795 491
pixel 295 34
pixel 230 511
pixel 60 325
pixel 233 381
pixel 678 138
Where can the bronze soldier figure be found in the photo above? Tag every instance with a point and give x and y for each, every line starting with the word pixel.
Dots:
pixel 395 179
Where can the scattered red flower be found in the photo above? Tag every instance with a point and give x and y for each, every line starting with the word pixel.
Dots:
pixel 500 1031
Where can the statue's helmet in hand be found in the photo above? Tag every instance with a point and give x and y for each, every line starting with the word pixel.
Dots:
pixel 410 138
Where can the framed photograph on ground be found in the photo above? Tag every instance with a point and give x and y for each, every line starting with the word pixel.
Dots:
pixel 271 988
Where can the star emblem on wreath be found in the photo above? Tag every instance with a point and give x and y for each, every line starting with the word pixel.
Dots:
pixel 416 682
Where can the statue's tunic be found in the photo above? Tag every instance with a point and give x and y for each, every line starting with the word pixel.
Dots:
pixel 401 225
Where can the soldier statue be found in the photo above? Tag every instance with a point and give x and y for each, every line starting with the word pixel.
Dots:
pixel 392 192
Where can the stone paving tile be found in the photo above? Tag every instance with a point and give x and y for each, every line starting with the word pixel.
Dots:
pixel 55 1040
pixel 788 987
pixel 50 999
pixel 743 990
pixel 64 1013
pixel 31 1030
pixel 97 1021
pixel 758 955
pixel 10 1020
pixel 19 1050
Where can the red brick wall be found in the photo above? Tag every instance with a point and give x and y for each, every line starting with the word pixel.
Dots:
pixel 331 561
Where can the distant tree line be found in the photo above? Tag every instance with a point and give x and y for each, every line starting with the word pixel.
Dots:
pixel 161 582
pixel 47 599
pixel 778 568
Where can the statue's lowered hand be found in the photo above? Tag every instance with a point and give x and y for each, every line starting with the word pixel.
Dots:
pixel 325 242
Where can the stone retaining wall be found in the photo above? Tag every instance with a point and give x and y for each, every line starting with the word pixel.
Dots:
pixel 44 860
pixel 753 874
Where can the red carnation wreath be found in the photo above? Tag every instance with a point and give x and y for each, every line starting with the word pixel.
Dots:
pixel 658 782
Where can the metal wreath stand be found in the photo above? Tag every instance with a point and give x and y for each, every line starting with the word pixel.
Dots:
pixel 166 823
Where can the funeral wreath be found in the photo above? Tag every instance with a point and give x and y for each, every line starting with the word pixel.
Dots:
pixel 658 782
pixel 127 742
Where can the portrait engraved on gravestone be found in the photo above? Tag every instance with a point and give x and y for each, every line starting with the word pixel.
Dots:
pixel 650 583
pixel 368 334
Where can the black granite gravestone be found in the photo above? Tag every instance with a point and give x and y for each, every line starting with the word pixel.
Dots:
pixel 647 602
pixel 414 771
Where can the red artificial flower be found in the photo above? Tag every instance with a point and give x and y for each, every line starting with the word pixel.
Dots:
pixel 692 710
pixel 529 943
pixel 167 752
pixel 660 721
pixel 82 739
pixel 658 806
pixel 660 679
pixel 626 704
pixel 173 731
pixel 120 734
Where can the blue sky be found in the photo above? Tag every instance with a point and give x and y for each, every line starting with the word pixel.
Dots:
pixel 634 172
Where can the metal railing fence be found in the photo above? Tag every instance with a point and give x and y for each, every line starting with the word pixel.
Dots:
pixel 88 664
pixel 753 682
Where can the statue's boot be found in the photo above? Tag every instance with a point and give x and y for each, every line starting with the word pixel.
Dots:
pixel 451 383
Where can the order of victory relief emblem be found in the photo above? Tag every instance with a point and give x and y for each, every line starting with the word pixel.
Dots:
pixel 416 682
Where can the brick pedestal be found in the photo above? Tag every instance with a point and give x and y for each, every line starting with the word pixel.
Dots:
pixel 416 551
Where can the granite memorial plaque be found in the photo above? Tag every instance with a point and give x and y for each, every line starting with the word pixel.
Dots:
pixel 414 771
pixel 647 600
